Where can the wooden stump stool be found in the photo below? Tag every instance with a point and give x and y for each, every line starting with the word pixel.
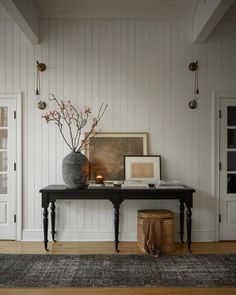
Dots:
pixel 167 227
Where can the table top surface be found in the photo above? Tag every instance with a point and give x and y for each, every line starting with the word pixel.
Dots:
pixel 63 188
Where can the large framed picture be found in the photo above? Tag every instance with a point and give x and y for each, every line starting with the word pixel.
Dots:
pixel 106 153
pixel 142 168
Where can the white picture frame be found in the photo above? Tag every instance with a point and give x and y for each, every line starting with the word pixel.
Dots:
pixel 143 168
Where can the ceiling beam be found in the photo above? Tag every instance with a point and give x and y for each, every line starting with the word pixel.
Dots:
pixel 208 14
pixel 24 13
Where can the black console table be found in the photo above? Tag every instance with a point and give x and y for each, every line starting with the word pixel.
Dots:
pixel 116 195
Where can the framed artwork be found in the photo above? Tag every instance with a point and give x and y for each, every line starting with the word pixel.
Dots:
pixel 142 168
pixel 106 153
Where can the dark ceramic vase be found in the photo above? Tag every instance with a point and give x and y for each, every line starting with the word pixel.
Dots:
pixel 75 170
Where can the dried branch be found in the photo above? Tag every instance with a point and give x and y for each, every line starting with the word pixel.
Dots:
pixel 75 121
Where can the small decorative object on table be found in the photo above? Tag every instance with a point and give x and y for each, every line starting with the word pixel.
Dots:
pixel 134 185
pixel 164 184
pixel 75 166
pixel 99 179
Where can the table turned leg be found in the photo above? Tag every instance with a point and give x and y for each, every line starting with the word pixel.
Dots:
pixel 181 219
pixel 45 227
pixel 189 227
pixel 116 225
pixel 53 220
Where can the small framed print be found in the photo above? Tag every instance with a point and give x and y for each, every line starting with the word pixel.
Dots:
pixel 142 168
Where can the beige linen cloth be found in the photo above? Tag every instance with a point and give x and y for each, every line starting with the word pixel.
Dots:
pixel 152 230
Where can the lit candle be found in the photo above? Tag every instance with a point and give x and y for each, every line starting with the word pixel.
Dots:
pixel 99 179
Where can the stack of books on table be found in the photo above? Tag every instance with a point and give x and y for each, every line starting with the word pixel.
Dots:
pixel 109 183
pixel 94 184
pixel 169 184
pixel 134 185
pixel 105 183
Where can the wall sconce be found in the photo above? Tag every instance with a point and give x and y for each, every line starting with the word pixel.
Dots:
pixel 193 104
pixel 41 67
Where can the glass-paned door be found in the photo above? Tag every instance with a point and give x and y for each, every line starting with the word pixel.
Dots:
pixel 7 175
pixel 228 169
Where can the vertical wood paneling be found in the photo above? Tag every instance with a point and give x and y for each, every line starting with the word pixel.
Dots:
pixel 66 78
pixel 31 69
pixel 138 67
pixel 59 92
pixel 87 98
pixel 39 159
pixel 117 76
pixel 127 73
pixel 9 56
pixel 45 135
pixel 2 56
pixel 80 90
pixel 73 98
pixel 52 78
pixel 166 108
pixel 16 59
pixel 44 93
pixel 23 54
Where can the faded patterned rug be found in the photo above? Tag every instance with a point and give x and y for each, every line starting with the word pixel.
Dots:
pixel 75 271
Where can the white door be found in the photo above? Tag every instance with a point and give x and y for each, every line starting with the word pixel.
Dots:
pixel 7 168
pixel 228 169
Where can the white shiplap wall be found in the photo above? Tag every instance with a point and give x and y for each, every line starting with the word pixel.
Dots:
pixel 140 68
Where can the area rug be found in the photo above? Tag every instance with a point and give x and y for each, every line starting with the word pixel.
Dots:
pixel 75 271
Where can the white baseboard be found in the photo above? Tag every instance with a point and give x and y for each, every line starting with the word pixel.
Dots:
pixel 37 235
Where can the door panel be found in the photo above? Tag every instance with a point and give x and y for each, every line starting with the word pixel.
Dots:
pixel 7 174
pixel 3 139
pixel 231 160
pixel 231 115
pixel 3 213
pixel 228 169
pixel 231 212
pixel 3 161
pixel 3 116
pixel 3 184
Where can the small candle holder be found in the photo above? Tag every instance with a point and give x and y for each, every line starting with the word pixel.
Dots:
pixel 99 179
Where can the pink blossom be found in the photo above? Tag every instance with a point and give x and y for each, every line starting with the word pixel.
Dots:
pixel 66 116
pixel 87 110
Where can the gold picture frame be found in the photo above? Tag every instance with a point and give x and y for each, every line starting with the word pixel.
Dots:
pixel 107 149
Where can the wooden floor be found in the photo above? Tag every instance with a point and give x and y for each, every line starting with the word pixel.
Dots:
pixel 108 248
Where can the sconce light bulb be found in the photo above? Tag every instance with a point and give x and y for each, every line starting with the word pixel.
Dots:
pixel 193 104
pixel 41 105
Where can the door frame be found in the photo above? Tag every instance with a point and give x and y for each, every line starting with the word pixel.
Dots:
pixel 17 97
pixel 217 96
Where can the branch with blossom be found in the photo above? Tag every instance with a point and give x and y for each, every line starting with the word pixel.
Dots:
pixel 75 120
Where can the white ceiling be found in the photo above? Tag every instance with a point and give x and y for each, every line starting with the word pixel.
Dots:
pixel 117 8
pixel 162 9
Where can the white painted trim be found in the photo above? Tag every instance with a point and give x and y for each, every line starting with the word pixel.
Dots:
pixel 18 201
pixel 216 97
pixel 215 158
pixel 72 236
pixel 25 14
pixel 19 169
pixel 207 16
